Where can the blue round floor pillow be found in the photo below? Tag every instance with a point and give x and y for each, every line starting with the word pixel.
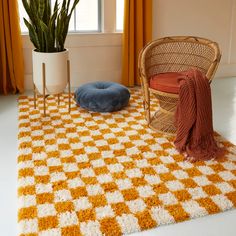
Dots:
pixel 102 96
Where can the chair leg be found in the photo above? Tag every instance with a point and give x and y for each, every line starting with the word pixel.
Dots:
pixel 146 101
pixel 147 108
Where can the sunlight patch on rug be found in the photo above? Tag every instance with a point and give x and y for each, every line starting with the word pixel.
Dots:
pixel 88 173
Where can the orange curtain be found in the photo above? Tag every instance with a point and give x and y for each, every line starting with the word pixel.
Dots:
pixel 11 54
pixel 137 33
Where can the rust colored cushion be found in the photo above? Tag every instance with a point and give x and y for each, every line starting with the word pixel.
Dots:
pixel 166 82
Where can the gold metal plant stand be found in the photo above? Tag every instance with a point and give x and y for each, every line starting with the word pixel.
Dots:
pixel 58 95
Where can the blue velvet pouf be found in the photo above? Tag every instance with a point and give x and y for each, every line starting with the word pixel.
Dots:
pixel 102 96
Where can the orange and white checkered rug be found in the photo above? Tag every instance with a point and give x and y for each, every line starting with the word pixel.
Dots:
pixel 87 173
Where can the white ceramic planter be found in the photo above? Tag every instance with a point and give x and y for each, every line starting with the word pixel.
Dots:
pixel 55 71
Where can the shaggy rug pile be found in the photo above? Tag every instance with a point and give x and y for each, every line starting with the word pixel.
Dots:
pixel 88 173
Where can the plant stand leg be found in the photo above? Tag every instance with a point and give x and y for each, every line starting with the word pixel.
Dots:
pixel 44 89
pixel 69 90
pixel 35 97
pixel 58 99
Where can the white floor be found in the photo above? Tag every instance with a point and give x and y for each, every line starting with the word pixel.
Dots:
pixel 224 107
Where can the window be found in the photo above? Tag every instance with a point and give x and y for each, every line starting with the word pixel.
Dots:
pixel 86 16
pixel 119 14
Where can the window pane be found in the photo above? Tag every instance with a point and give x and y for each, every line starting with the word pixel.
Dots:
pixel 119 15
pixel 87 15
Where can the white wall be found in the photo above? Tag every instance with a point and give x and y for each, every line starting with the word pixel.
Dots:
pixel 213 19
pixel 98 56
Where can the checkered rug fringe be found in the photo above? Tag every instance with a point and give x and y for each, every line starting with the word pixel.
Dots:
pixel 87 173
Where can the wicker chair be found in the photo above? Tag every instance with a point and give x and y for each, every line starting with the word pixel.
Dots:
pixel 173 54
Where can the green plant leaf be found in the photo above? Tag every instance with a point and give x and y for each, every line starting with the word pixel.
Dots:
pixel 56 6
pixel 48 27
pixel 41 8
pixel 43 26
pixel 33 35
pixel 73 7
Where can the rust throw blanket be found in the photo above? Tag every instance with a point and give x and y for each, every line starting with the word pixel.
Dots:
pixel 194 118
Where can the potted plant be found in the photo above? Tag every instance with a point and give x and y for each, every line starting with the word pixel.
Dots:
pixel 48 27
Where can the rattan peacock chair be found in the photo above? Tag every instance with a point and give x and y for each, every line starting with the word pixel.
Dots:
pixel 173 54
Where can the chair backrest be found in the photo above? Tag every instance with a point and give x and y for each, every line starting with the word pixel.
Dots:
pixel 179 53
